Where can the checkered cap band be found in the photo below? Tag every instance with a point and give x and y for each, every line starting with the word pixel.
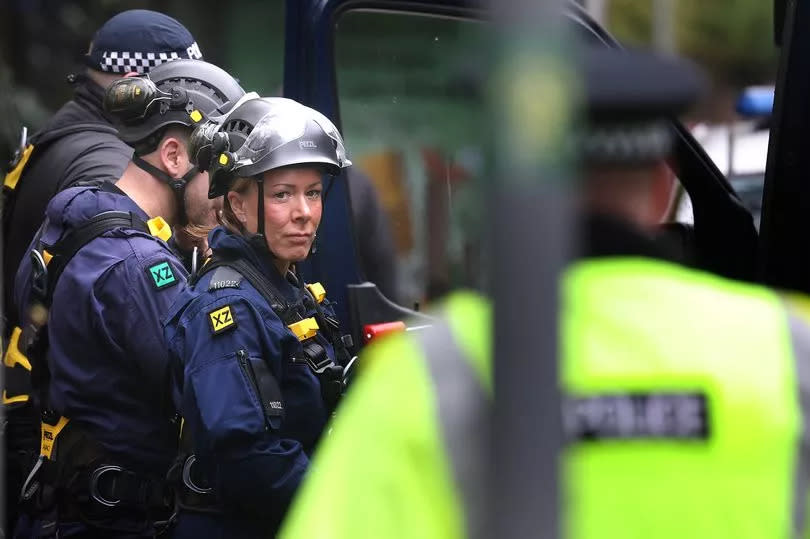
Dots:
pixel 142 62
pixel 631 143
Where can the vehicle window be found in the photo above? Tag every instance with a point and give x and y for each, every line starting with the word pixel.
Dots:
pixel 412 116
pixel 740 151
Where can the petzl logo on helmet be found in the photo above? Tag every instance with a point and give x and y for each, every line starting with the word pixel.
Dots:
pixel 307 144
pixel 162 275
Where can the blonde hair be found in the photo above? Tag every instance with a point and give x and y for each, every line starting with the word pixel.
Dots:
pixel 190 233
pixel 226 217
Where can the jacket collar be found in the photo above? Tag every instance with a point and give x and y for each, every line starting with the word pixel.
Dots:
pixel 605 236
pixel 229 244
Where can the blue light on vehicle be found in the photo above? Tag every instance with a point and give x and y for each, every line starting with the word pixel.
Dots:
pixel 755 101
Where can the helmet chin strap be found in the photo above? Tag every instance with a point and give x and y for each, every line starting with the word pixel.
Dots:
pixel 178 185
pixel 258 240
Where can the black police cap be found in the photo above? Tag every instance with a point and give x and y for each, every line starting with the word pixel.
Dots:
pixel 138 40
pixel 631 97
pixel 631 84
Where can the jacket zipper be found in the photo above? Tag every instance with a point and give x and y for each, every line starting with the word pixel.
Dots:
pixel 244 362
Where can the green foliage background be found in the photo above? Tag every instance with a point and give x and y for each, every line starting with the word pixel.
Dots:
pixel 732 39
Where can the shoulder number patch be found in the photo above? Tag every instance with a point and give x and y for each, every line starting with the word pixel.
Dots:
pixel 221 319
pixel 225 277
pixel 162 275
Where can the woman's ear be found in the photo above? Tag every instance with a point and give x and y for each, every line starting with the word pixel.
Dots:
pixel 238 206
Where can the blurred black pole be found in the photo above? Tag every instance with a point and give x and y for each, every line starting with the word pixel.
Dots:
pixel 532 236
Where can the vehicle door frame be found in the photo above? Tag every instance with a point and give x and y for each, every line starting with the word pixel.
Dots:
pixel 310 77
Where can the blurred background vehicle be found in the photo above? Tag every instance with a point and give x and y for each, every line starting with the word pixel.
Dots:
pixel 739 149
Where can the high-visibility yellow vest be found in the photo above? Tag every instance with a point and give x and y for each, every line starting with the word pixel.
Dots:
pixel 683 412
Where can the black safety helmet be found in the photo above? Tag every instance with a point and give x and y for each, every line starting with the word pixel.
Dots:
pixel 268 133
pixel 177 93
pixel 263 134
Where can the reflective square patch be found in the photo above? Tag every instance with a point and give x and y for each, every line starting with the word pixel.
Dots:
pixel 221 320
pixel 162 275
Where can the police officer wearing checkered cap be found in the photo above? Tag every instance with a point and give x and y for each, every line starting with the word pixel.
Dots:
pixel 78 144
pixel 675 425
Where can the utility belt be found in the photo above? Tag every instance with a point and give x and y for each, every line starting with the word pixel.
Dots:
pixel 75 480
pixel 193 491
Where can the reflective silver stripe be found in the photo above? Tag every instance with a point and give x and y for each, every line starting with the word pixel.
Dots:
pixel 463 408
pixel 800 338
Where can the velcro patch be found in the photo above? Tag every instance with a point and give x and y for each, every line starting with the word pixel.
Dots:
pixel 221 320
pixel 637 416
pixel 162 275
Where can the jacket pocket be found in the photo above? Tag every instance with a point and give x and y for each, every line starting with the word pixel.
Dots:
pixel 265 386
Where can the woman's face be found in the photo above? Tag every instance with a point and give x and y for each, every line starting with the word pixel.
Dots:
pixel 292 210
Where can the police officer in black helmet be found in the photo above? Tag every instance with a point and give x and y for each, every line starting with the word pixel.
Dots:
pixel 93 294
pixel 77 144
pixel 258 354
